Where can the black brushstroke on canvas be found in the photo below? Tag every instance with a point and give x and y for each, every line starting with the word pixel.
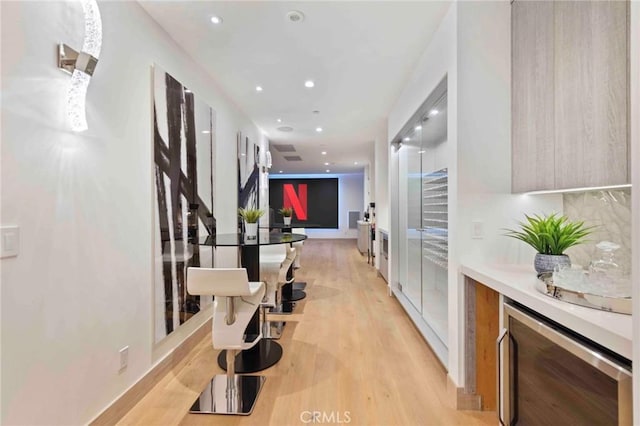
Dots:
pixel 183 188
pixel 248 194
pixel 204 214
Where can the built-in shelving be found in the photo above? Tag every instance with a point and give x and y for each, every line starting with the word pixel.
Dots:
pixel 435 224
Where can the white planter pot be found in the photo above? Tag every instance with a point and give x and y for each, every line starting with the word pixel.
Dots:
pixel 287 220
pixel 251 230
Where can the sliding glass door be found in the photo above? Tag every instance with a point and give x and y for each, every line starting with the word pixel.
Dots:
pixel 410 220
pixel 423 231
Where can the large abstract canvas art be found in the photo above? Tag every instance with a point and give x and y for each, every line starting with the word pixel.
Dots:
pixel 248 173
pixel 183 152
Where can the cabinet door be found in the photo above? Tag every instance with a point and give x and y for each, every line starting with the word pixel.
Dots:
pixel 591 84
pixel 532 96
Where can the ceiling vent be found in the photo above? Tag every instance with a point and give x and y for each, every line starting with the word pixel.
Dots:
pixel 293 158
pixel 285 129
pixel 284 147
pixel 295 16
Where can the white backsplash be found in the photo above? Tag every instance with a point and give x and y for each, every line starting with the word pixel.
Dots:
pixel 610 212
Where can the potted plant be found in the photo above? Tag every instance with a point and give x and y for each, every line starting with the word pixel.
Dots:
pixel 286 213
pixel 550 236
pixel 250 217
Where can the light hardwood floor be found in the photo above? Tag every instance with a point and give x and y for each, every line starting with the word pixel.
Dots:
pixel 354 350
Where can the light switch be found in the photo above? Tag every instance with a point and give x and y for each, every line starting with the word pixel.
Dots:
pixel 9 241
pixel 477 229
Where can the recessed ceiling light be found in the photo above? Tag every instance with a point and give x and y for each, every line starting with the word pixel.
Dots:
pixel 258 88
pixel 407 139
pixel 206 131
pixel 433 112
pixel 318 129
pixel 216 19
pixel 355 163
pixel 279 120
pixel 295 16
pixel 328 170
pixel 280 171
pixel 243 154
pixel 418 128
pixel 324 152
pixel 309 83
pixel 326 164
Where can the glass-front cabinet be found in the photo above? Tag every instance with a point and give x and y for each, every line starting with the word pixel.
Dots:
pixel 423 216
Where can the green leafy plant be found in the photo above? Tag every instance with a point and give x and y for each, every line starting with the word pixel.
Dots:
pixel 552 234
pixel 250 215
pixel 286 211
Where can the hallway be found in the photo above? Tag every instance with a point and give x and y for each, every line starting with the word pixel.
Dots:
pixel 353 355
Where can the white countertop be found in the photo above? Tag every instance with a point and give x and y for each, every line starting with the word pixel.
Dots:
pixel 518 282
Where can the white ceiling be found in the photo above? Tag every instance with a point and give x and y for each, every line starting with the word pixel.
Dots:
pixel 359 54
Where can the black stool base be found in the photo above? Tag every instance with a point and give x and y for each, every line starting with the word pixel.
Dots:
pixel 299 285
pixel 260 357
pixel 295 296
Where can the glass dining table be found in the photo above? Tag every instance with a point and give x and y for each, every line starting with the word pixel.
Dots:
pixel 266 352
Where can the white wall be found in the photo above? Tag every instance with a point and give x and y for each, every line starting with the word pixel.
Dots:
pixel 381 161
pixel 370 195
pixel 472 47
pixel 484 147
pixel 370 177
pixel 381 190
pixel 81 287
pixel 264 180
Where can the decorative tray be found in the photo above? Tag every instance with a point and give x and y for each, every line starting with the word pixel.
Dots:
pixel 545 285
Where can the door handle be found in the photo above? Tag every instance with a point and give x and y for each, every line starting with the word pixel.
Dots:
pixel 503 333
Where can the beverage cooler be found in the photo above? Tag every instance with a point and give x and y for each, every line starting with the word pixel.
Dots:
pixel 549 375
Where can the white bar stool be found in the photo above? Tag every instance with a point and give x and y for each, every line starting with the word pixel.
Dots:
pixel 235 301
pixel 273 329
pixel 298 246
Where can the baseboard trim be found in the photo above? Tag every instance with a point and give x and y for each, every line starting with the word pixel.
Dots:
pixel 125 402
pixel 437 346
pixel 460 400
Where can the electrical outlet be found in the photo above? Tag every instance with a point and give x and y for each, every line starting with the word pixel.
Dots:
pixel 124 357
pixel 9 241
pixel 477 229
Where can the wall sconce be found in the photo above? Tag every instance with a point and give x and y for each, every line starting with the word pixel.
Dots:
pixel 81 65
pixel 266 162
pixel 268 159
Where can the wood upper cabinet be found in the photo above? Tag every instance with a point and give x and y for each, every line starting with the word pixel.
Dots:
pixel 532 78
pixel 570 85
pixel 591 75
